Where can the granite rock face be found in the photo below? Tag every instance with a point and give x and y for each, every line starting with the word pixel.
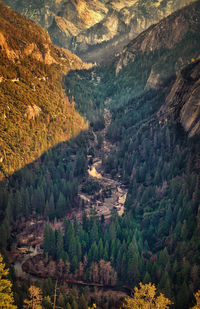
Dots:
pixel 165 35
pixel 95 29
pixel 183 102
pixel 174 49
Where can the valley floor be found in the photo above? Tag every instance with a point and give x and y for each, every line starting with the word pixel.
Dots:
pixel 28 247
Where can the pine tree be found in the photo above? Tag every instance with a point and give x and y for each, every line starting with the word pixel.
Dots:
pixel 183 296
pixel 4 232
pixel 51 206
pixel 147 277
pixel 163 257
pixel 100 249
pixel 132 268
pixel 6 295
pixel 49 241
pixel 94 232
pixel 74 304
pixel 82 302
pixel 61 204
pixel 59 243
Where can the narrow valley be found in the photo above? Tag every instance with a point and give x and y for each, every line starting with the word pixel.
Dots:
pixel 109 198
pixel 99 162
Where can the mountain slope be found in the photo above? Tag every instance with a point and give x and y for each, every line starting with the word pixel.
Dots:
pixel 163 51
pixel 95 29
pixel 182 103
pixel 35 112
pixel 156 157
pixel 157 238
pixel 170 35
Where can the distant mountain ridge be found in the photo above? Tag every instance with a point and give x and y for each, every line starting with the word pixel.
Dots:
pixel 35 113
pixel 96 29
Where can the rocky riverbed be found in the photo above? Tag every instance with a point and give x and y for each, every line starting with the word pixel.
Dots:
pixel 104 205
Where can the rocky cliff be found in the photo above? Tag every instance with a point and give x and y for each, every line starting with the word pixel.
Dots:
pixel 95 30
pixel 183 101
pixel 173 35
pixel 167 56
pixel 20 38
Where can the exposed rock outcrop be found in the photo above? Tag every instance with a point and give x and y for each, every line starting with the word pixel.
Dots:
pixel 164 35
pixel 32 112
pixel 11 54
pixel 183 101
pixel 34 42
pixel 153 81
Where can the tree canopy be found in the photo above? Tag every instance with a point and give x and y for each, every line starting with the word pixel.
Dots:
pixel 35 298
pixel 145 297
pixel 6 295
pixel 197 297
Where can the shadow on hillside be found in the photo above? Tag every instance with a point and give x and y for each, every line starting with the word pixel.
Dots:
pixel 48 186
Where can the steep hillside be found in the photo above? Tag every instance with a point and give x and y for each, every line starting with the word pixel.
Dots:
pixel 35 112
pixel 183 101
pixel 152 91
pixel 163 51
pixel 173 37
pixel 96 29
pixel 133 151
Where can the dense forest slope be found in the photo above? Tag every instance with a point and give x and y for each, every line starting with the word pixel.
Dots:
pixel 173 42
pixel 153 88
pixel 149 146
pixel 95 29
pixel 35 112
pixel 164 51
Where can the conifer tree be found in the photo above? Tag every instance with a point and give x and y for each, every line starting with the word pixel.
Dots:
pixel 59 243
pixel 82 302
pixel 74 304
pixel 49 240
pixel 183 296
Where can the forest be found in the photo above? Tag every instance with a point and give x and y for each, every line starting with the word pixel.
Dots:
pixel 156 240
pixel 160 166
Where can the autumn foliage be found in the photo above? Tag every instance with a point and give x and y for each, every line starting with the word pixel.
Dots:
pixel 145 297
pixel 6 295
pixel 34 300
pixel 197 297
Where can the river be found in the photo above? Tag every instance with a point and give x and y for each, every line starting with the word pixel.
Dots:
pixel 26 252
pixel 105 206
pixel 117 198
